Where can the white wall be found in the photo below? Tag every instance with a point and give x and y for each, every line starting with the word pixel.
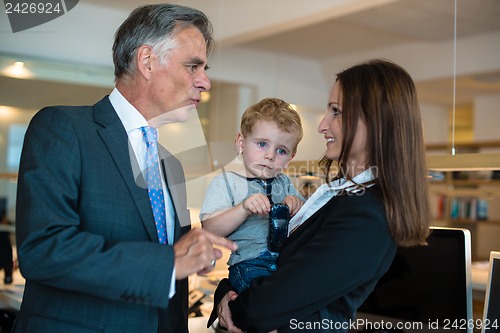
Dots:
pixel 294 80
pixel 435 123
pixel 313 144
pixel 487 118
pixel 429 61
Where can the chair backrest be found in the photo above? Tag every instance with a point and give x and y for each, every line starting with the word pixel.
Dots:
pixel 428 285
pixel 491 313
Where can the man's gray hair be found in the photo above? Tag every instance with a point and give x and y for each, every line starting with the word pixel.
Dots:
pixel 156 26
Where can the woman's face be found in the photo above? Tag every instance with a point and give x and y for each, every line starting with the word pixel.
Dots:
pixel 331 127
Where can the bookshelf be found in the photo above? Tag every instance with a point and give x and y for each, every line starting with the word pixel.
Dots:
pixel 468 197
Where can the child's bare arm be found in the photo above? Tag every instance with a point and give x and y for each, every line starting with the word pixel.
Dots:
pixel 223 223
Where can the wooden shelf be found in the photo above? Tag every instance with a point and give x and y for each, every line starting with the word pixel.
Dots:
pixel 9 176
pixel 472 182
pixel 456 192
pixel 465 145
pixel 463 162
pixel 471 222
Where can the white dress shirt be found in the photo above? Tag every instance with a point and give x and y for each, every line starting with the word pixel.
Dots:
pixel 132 120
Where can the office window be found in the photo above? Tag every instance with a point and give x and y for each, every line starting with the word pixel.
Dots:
pixel 15 145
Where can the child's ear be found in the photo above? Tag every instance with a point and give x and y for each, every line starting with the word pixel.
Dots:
pixel 239 142
pixel 289 160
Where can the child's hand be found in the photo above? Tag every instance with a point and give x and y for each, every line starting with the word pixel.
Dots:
pixel 257 204
pixel 293 204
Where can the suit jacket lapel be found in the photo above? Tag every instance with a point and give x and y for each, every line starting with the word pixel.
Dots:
pixel 115 138
pixel 174 177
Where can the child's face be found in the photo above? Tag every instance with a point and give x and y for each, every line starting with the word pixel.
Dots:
pixel 267 150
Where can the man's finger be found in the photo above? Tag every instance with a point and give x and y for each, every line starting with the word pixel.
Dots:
pixel 221 241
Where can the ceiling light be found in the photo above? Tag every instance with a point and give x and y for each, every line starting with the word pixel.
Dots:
pixel 6 112
pixel 17 71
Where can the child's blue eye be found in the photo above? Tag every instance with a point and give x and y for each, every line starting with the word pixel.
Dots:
pixel 262 144
pixel 281 151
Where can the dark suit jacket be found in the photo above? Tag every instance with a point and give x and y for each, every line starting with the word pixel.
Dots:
pixel 87 242
pixel 326 269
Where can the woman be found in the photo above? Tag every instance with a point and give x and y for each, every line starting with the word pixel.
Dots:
pixel 345 237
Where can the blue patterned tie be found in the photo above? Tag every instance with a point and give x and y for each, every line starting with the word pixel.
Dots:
pixel 155 187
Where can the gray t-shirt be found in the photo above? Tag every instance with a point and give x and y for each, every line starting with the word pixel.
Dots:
pixel 230 189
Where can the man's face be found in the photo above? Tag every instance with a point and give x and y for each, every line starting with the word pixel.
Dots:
pixel 178 83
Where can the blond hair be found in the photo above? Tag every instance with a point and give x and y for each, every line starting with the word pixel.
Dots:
pixel 273 110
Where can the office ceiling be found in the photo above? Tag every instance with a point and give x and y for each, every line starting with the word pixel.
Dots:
pixel 391 24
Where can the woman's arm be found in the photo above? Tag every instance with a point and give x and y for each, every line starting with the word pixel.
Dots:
pixel 344 249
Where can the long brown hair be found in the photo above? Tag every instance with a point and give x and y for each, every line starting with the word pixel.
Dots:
pixel 383 95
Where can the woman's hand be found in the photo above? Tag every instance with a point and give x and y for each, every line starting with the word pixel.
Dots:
pixel 224 313
pixel 293 204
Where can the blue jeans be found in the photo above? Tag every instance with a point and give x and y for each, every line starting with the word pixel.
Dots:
pixel 242 273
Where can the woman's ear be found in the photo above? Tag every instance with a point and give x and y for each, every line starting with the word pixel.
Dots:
pixel 144 61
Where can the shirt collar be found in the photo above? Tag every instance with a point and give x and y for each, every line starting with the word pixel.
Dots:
pixel 364 177
pixel 130 117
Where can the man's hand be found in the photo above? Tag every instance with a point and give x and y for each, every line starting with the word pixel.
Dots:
pixel 195 252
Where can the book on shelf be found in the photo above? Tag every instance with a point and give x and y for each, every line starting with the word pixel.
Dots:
pixel 469 208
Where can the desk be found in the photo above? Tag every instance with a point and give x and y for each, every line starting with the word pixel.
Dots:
pixel 479 272
pixel 11 296
pixel 199 325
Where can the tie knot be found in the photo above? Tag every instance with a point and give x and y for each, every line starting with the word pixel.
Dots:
pixel 150 134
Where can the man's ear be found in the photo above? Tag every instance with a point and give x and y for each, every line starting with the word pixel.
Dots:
pixel 144 61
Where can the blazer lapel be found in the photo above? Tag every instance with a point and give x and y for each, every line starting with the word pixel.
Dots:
pixel 175 179
pixel 310 224
pixel 115 138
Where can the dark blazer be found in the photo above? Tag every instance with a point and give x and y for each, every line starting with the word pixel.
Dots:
pixel 326 269
pixel 87 242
